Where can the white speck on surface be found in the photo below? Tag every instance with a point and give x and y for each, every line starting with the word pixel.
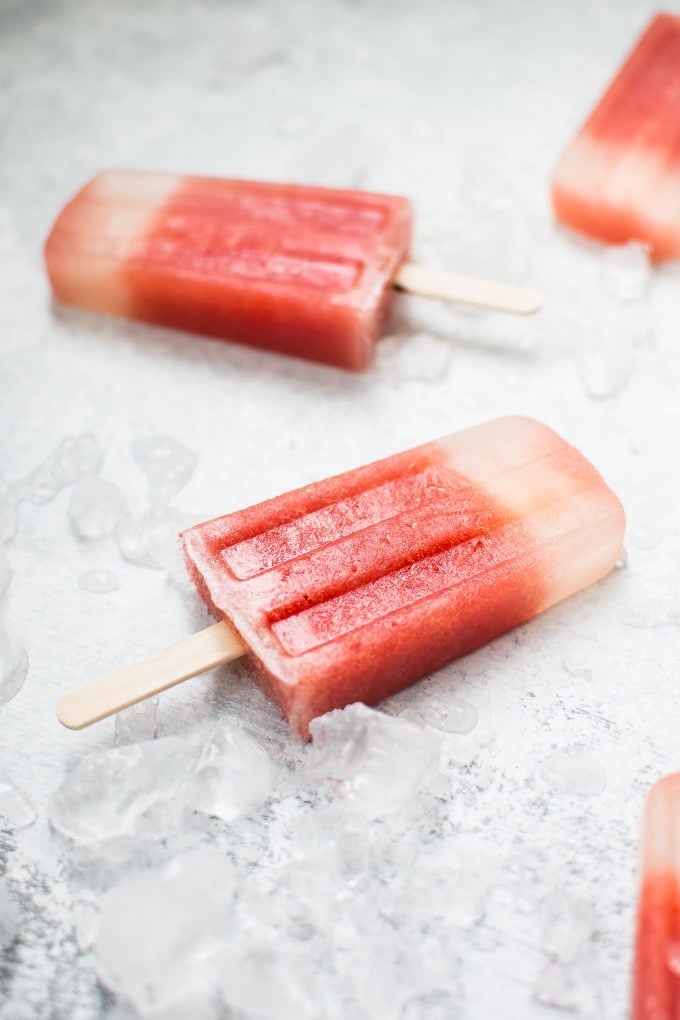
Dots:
pixel 15 810
pixel 99 582
pixel 166 464
pixel 96 508
pixel 13 667
pixel 137 723
pixel 574 770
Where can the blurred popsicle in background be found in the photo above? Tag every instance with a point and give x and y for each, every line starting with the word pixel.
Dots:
pixel 304 271
pixel 619 179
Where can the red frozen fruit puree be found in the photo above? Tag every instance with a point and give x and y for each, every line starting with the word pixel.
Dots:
pixel 619 179
pixel 351 588
pixel 299 270
pixel 656 979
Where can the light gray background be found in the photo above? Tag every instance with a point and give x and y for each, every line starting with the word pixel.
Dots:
pixel 464 107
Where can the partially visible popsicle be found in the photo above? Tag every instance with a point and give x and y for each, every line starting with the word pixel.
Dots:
pixel 656 979
pixel 352 588
pixel 619 179
pixel 300 270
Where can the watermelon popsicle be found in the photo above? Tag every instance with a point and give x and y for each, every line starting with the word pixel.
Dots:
pixel 656 985
pixel 352 588
pixel 303 271
pixel 619 179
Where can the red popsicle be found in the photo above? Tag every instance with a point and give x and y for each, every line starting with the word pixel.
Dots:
pixel 656 981
pixel 351 588
pixel 619 179
pixel 299 270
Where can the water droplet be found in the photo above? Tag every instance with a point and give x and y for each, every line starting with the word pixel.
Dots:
pixel 451 716
pixel 99 582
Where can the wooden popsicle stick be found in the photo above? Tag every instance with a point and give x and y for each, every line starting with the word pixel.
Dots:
pixel 140 680
pixel 466 290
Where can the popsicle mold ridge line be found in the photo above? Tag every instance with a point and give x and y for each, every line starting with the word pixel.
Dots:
pixel 351 588
pixel 656 984
pixel 299 270
pixel 619 179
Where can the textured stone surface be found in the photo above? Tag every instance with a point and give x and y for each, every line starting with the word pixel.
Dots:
pixel 525 886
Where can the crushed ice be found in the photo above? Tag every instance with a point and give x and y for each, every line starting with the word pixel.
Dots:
pixel 137 723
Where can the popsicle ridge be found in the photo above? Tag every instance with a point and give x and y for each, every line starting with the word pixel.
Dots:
pixel 372 579
pixel 619 179
pixel 656 981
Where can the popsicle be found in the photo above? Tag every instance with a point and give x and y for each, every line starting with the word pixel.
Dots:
pixel 352 588
pixel 619 179
pixel 304 271
pixel 656 979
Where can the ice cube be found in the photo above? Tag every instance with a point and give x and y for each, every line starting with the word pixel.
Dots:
pixel 137 723
pixel 15 810
pixel 76 457
pixel 167 465
pixel 99 582
pixel 96 508
pixel 232 777
pixel 162 934
pixel 258 982
pixel 136 790
pixel 151 539
pixel 574 770
pixel 13 667
pixel 9 916
pixel 375 761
